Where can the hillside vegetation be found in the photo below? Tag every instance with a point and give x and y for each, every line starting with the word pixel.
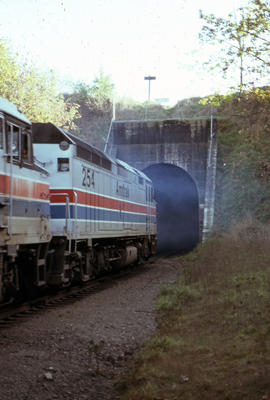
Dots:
pixel 213 339
pixel 243 171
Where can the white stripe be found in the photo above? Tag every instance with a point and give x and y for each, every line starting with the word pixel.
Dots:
pixel 103 195
pixel 99 208
pixel 97 221
pixel 37 219
pixel 25 178
pixel 25 198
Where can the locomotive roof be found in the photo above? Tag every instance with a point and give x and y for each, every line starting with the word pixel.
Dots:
pixel 52 134
pixel 9 108
pixel 132 169
pixel 49 133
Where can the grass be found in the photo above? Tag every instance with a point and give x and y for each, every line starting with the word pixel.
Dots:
pixel 213 337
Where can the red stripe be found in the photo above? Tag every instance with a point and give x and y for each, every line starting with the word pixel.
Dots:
pixel 24 188
pixel 95 200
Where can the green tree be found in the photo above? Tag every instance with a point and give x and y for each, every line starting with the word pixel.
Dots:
pixel 39 99
pixel 128 109
pixel 9 73
pixel 35 93
pixel 95 107
pixel 101 92
pixel 244 37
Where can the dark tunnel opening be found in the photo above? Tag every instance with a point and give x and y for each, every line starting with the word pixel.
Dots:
pixel 177 208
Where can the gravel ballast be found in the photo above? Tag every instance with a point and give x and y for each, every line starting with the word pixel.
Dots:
pixel 78 351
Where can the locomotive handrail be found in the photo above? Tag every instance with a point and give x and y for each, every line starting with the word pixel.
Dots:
pixel 76 218
pixel 10 184
pixel 67 216
pixel 9 154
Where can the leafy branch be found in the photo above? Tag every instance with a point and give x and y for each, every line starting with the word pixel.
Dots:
pixel 244 37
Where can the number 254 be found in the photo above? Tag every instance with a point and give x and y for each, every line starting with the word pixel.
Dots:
pixel 87 177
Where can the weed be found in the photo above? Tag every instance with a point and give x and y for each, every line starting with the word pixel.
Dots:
pixel 174 297
pixel 213 325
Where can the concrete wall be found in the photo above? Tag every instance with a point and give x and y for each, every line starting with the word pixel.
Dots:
pixel 187 144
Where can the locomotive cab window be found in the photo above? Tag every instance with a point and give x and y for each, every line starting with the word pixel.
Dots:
pixel 63 164
pixel 12 141
pixel 18 144
pixel 26 146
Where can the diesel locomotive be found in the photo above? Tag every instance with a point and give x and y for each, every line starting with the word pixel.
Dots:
pixel 68 211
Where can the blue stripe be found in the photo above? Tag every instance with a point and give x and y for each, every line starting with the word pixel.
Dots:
pixel 90 213
pixel 25 208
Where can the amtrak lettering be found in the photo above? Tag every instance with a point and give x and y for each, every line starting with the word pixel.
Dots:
pixel 122 189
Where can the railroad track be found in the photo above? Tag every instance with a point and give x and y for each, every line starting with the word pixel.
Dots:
pixel 14 313
pixel 48 301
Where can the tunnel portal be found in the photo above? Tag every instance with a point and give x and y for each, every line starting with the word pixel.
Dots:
pixel 177 208
pixel 181 157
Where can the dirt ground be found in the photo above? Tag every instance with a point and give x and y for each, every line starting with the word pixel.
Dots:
pixel 78 351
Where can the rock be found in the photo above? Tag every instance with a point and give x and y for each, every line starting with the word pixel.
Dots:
pixel 183 379
pixel 48 376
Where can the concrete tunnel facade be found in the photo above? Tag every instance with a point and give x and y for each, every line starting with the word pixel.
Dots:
pixel 180 157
